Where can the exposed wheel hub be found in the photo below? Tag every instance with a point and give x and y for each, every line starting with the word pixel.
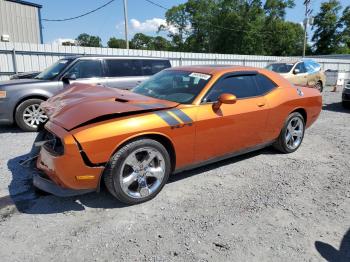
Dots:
pixel 142 172
pixel 294 133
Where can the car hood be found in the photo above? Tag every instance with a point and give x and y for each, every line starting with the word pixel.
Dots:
pixel 82 104
pixel 17 82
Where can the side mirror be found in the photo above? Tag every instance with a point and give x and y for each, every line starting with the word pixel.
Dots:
pixel 296 71
pixel 67 77
pixel 224 99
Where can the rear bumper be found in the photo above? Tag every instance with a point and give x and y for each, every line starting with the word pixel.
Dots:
pixel 48 186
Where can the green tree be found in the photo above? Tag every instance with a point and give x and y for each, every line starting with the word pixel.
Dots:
pixel 234 26
pixel 161 44
pixel 177 20
pixel 345 34
pixel 326 24
pixel 277 8
pixel 68 43
pixel 88 40
pixel 116 43
pixel 142 41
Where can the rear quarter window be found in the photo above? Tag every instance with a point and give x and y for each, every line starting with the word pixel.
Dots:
pixel 264 83
pixel 151 67
pixel 123 67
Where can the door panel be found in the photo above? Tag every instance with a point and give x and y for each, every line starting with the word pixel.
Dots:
pixel 232 128
pixel 300 79
pixel 87 72
pixel 125 82
pixel 94 80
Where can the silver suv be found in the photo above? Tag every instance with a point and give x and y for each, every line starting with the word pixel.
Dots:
pixel 20 99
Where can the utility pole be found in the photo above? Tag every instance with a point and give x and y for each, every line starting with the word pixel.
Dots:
pixel 306 22
pixel 126 23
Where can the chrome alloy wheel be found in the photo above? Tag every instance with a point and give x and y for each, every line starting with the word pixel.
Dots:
pixel 294 133
pixel 33 115
pixel 142 172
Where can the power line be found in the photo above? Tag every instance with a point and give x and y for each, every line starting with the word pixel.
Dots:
pixel 79 16
pixel 156 4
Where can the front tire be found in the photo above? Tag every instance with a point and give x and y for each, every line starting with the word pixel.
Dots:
pixel 292 134
pixel 29 115
pixel 138 171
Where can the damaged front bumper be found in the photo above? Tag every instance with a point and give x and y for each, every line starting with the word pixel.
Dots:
pixel 64 173
pixel 45 184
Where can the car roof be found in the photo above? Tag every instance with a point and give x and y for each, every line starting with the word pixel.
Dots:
pixel 294 60
pixel 214 69
pixel 113 57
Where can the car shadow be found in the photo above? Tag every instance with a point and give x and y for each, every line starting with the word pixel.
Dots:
pixel 331 254
pixel 28 200
pixel 10 129
pixel 336 107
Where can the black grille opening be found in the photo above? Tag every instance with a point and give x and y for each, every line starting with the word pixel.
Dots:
pixel 53 144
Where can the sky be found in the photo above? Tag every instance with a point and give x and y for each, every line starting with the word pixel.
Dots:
pixel 142 16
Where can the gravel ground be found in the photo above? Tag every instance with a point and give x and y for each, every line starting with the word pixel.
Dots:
pixel 263 206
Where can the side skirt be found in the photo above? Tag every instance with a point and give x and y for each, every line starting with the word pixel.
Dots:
pixel 226 156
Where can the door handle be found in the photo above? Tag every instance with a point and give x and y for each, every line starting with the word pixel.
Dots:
pixel 261 104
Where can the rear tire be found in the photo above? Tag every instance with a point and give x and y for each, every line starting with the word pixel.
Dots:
pixel 138 171
pixel 292 134
pixel 29 116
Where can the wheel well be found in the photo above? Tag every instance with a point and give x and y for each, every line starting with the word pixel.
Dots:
pixel 302 111
pixel 161 139
pixel 27 98
pixel 157 137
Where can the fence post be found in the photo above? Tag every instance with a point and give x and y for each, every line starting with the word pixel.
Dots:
pixel 14 61
pixel 180 62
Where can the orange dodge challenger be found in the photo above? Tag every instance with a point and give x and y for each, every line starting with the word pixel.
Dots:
pixel 179 119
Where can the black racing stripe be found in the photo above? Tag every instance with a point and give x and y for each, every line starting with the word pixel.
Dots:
pixel 170 120
pixel 149 106
pixel 180 114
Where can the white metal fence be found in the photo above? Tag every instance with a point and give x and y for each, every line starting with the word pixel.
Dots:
pixel 22 57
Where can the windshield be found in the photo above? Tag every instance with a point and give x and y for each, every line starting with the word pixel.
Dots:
pixel 280 67
pixel 54 70
pixel 173 85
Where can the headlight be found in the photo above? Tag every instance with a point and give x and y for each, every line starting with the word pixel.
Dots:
pixel 2 94
pixel 53 144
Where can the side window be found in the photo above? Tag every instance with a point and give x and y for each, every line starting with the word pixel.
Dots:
pixel 151 67
pixel 309 67
pixel 86 69
pixel 301 68
pixel 264 84
pixel 312 67
pixel 240 86
pixel 123 67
